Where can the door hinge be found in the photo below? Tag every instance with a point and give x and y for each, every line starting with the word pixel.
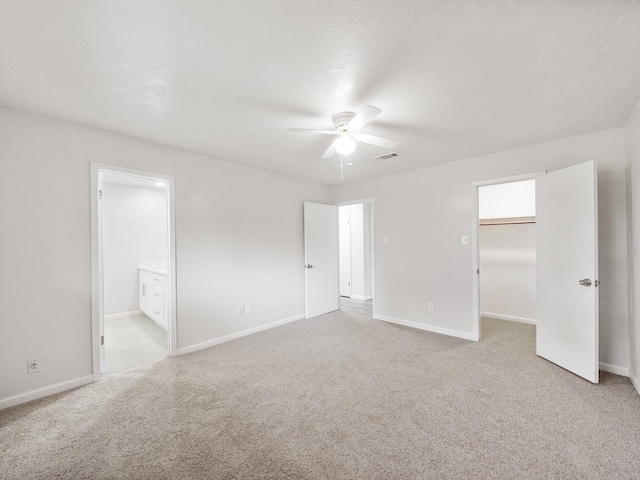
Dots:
pixel 99 194
pixel 478 272
pixel 348 284
pixel 102 340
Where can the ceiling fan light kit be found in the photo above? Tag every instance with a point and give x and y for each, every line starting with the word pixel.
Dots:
pixel 345 145
pixel 346 126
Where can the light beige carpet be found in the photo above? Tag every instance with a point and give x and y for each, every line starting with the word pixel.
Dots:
pixel 339 396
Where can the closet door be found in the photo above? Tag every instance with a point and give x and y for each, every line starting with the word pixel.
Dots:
pixel 567 269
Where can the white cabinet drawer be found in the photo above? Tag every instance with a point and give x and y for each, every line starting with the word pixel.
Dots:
pixel 157 313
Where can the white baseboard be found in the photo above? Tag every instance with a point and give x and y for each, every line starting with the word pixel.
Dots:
pixel 635 381
pixel 605 367
pixel 234 336
pixel 358 297
pixel 509 318
pixel 45 391
pixel 428 328
pixel 123 314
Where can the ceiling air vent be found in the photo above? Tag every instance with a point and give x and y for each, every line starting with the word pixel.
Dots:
pixel 385 156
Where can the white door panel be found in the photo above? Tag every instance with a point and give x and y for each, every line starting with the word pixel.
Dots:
pixel 321 258
pixel 567 246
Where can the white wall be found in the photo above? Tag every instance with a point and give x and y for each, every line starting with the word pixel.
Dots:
pixel 508 271
pixel 632 137
pixel 238 234
pixel 134 229
pixel 424 214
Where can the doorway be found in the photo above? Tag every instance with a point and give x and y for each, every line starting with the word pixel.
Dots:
pixel 507 251
pixel 494 198
pixel 356 257
pixel 322 258
pixel 133 268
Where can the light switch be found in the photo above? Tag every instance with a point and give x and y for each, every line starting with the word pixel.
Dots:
pixel 465 240
pixel 386 240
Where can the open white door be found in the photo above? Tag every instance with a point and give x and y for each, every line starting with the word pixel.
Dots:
pixel 567 269
pixel 321 258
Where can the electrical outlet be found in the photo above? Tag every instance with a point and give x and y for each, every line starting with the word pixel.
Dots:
pixel 33 366
pixel 247 309
pixel 430 306
pixel 240 310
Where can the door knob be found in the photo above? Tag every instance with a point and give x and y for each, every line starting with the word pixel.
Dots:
pixel 308 266
pixel 586 282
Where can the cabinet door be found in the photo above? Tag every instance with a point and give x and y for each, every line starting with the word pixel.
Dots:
pixel 143 296
pixel 146 297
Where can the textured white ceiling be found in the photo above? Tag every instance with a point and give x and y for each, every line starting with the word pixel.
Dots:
pixel 226 78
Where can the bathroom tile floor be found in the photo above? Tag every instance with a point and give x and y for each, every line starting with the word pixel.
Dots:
pixel 351 305
pixel 132 341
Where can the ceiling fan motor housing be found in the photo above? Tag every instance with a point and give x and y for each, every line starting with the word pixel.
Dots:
pixel 340 120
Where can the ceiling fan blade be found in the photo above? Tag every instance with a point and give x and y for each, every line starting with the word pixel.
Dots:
pixel 309 130
pixel 375 140
pixel 364 116
pixel 331 151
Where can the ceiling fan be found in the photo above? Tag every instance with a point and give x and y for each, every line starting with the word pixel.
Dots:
pixel 346 126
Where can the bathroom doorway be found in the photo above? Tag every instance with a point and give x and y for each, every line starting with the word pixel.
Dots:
pixel 133 268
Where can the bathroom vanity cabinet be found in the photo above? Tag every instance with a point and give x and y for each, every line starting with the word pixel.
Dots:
pixel 153 294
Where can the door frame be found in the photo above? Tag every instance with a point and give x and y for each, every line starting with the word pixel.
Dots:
pixel 97 260
pixel 475 239
pixel 372 234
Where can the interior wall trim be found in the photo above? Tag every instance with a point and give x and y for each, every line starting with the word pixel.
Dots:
pixel 635 382
pixel 234 336
pixel 509 318
pixel 605 367
pixel 45 391
pixel 123 315
pixel 487 222
pixel 425 327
